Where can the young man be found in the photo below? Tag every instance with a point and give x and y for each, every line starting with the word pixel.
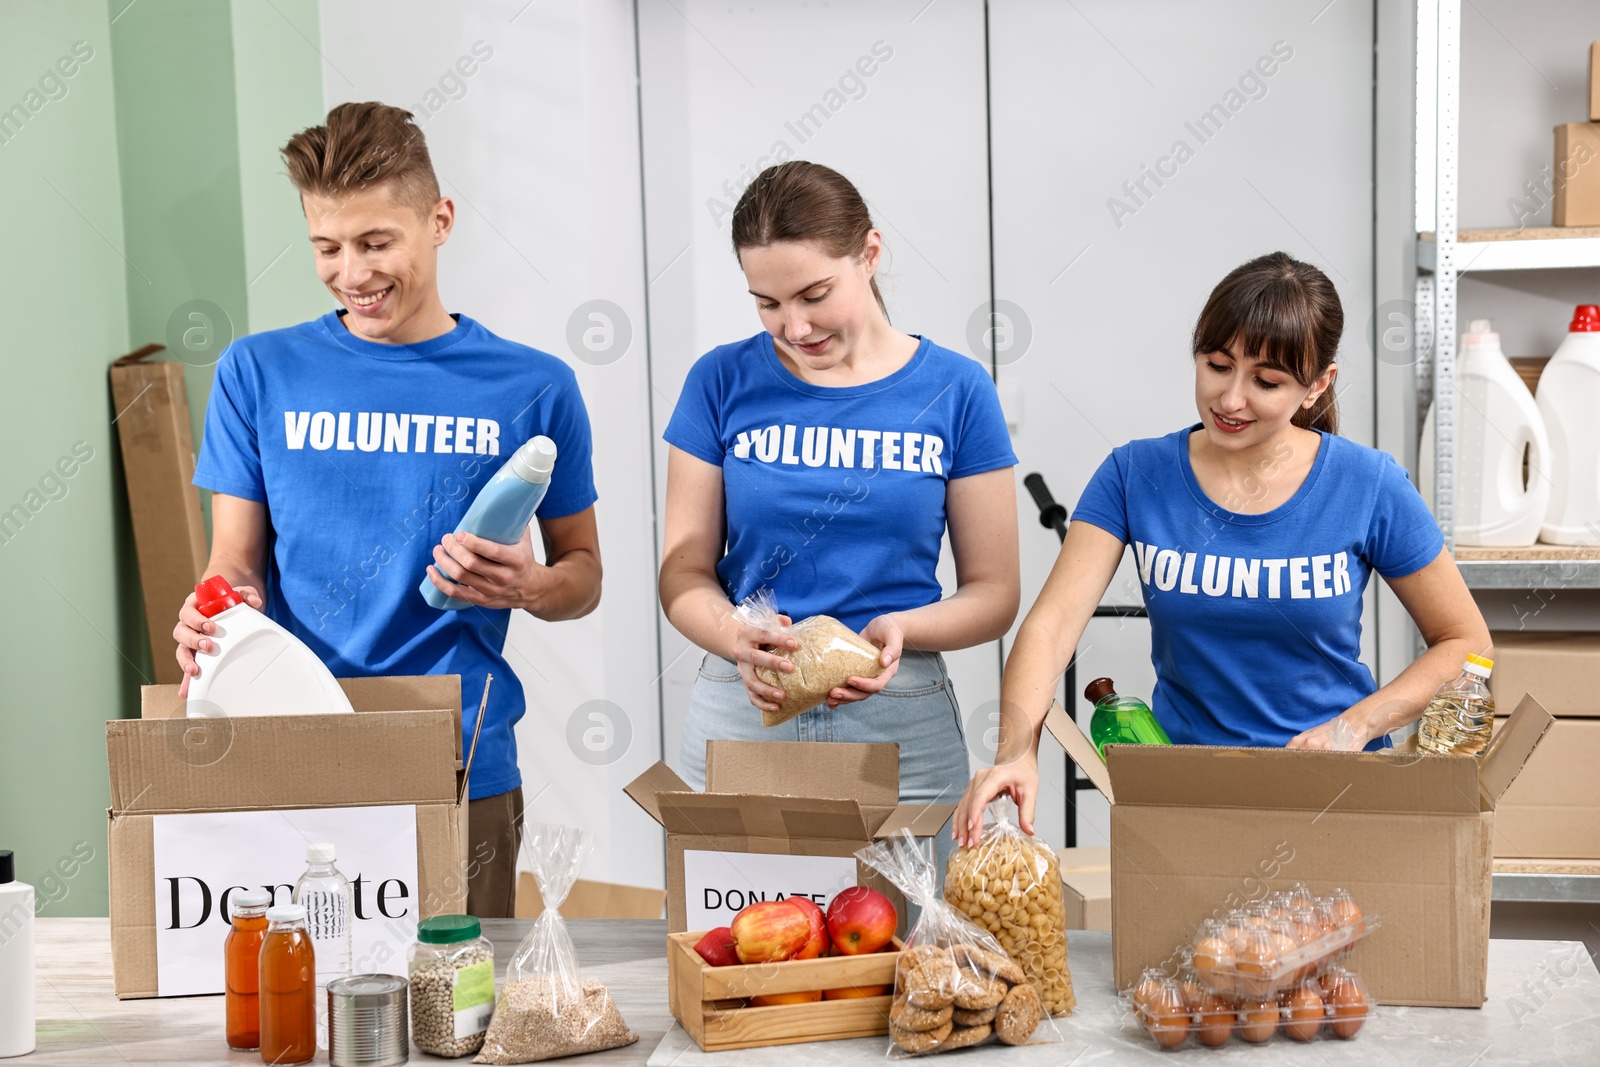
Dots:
pixel 342 453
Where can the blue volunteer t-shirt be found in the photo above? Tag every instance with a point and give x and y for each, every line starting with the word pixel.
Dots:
pixel 835 497
pixel 366 455
pixel 1255 620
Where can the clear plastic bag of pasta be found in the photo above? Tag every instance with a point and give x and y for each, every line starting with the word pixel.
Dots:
pixel 546 1009
pixel 1010 884
pixel 830 654
pixel 954 986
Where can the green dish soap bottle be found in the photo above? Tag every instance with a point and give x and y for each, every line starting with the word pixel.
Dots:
pixel 1120 720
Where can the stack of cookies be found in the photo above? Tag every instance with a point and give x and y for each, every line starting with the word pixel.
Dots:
pixel 949 998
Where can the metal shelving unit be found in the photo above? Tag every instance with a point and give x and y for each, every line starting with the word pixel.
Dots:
pixel 1444 253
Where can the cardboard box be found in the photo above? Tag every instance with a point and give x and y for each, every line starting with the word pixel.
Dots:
pixel 1563 667
pixel 158 463
pixel 1552 811
pixel 1577 175
pixel 593 900
pixel 1594 82
pixel 807 799
pixel 1195 828
pixel 1086 886
pixel 403 747
pixel 707 1000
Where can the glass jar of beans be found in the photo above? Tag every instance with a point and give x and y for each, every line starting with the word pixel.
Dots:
pixel 452 985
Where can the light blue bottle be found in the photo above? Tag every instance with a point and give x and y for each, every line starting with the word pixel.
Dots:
pixel 503 509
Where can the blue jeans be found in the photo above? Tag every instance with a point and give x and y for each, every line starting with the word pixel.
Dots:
pixel 917 711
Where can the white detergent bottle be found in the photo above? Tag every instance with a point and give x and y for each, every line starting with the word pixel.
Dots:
pixel 255 666
pixel 504 507
pixel 1569 397
pixel 1498 424
pixel 17 1028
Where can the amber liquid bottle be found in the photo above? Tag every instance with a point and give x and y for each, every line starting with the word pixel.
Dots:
pixel 288 988
pixel 241 955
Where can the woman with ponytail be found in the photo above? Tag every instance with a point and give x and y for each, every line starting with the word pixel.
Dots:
pixel 824 459
pixel 1254 533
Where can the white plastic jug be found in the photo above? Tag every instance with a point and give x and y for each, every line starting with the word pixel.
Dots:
pixel 1569 398
pixel 256 667
pixel 1497 425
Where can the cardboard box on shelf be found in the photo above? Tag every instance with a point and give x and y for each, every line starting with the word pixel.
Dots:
pixel 777 819
pixel 1563 667
pixel 593 900
pixel 1552 810
pixel 1086 886
pixel 267 779
pixel 1594 82
pixel 169 533
pixel 1195 828
pixel 1577 175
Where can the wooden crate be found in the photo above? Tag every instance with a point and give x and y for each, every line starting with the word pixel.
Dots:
pixel 708 1000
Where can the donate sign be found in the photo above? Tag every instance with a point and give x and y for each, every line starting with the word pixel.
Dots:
pixel 718 885
pixel 201 860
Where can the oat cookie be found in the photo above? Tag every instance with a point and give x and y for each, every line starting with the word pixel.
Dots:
pixel 962 1017
pixel 907 1016
pixel 978 991
pixel 966 1037
pixel 1019 1015
pixel 919 1040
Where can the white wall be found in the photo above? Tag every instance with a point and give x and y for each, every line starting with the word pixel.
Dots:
pixel 540 152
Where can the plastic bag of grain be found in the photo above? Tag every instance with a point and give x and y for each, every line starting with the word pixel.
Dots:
pixel 546 1009
pixel 830 654
pixel 1010 884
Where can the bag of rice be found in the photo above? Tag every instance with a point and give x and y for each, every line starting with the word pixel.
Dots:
pixel 545 1010
pixel 830 654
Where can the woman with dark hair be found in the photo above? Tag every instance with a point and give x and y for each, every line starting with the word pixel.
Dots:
pixel 1255 532
pixel 824 459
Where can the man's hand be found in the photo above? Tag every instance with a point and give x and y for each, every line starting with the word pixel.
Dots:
pixel 489 574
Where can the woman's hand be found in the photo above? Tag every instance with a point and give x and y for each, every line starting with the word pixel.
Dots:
pixel 748 652
pixel 193 630
pixel 884 633
pixel 1018 779
pixel 1338 734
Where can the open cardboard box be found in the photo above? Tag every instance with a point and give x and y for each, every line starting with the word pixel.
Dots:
pixel 1196 828
pixel 1553 810
pixel 403 746
pixel 820 801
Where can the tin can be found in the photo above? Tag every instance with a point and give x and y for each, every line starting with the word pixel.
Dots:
pixel 367 1021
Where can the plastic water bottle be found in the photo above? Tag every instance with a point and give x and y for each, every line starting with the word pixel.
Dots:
pixel 1569 397
pixel 255 666
pixel 16 961
pixel 1498 427
pixel 330 910
pixel 504 507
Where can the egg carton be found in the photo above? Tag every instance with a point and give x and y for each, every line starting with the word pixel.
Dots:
pixel 1278 943
pixel 1179 1012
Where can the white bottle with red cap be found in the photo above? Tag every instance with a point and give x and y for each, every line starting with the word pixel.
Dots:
pixel 16 962
pixel 1498 426
pixel 255 666
pixel 1569 398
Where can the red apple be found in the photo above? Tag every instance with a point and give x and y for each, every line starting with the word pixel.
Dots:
pixel 861 920
pixel 851 991
pixel 770 930
pixel 767 1000
pixel 818 944
pixel 716 948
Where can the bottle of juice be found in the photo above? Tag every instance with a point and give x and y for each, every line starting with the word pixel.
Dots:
pixel 241 955
pixel 288 986
pixel 1460 717
pixel 502 509
pixel 325 894
pixel 1120 720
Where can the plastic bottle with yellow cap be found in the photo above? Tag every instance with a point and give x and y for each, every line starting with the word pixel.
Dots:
pixel 1460 717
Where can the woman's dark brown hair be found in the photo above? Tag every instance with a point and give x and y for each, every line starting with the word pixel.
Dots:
pixel 1285 313
pixel 801 201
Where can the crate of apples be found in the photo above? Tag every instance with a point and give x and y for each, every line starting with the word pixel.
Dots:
pixel 786 971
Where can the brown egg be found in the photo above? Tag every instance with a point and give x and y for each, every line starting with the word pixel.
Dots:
pixel 1168 1016
pixel 1213 964
pixel 1216 1019
pixel 1305 1013
pixel 1145 994
pixel 1192 991
pixel 1350 1007
pixel 1257 1020
pixel 1256 964
pixel 1347 911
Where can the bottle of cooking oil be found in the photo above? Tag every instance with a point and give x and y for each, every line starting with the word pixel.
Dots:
pixel 1460 717
pixel 1120 720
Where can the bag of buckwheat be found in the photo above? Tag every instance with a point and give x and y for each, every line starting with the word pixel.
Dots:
pixel 954 986
pixel 830 654
pixel 546 1009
